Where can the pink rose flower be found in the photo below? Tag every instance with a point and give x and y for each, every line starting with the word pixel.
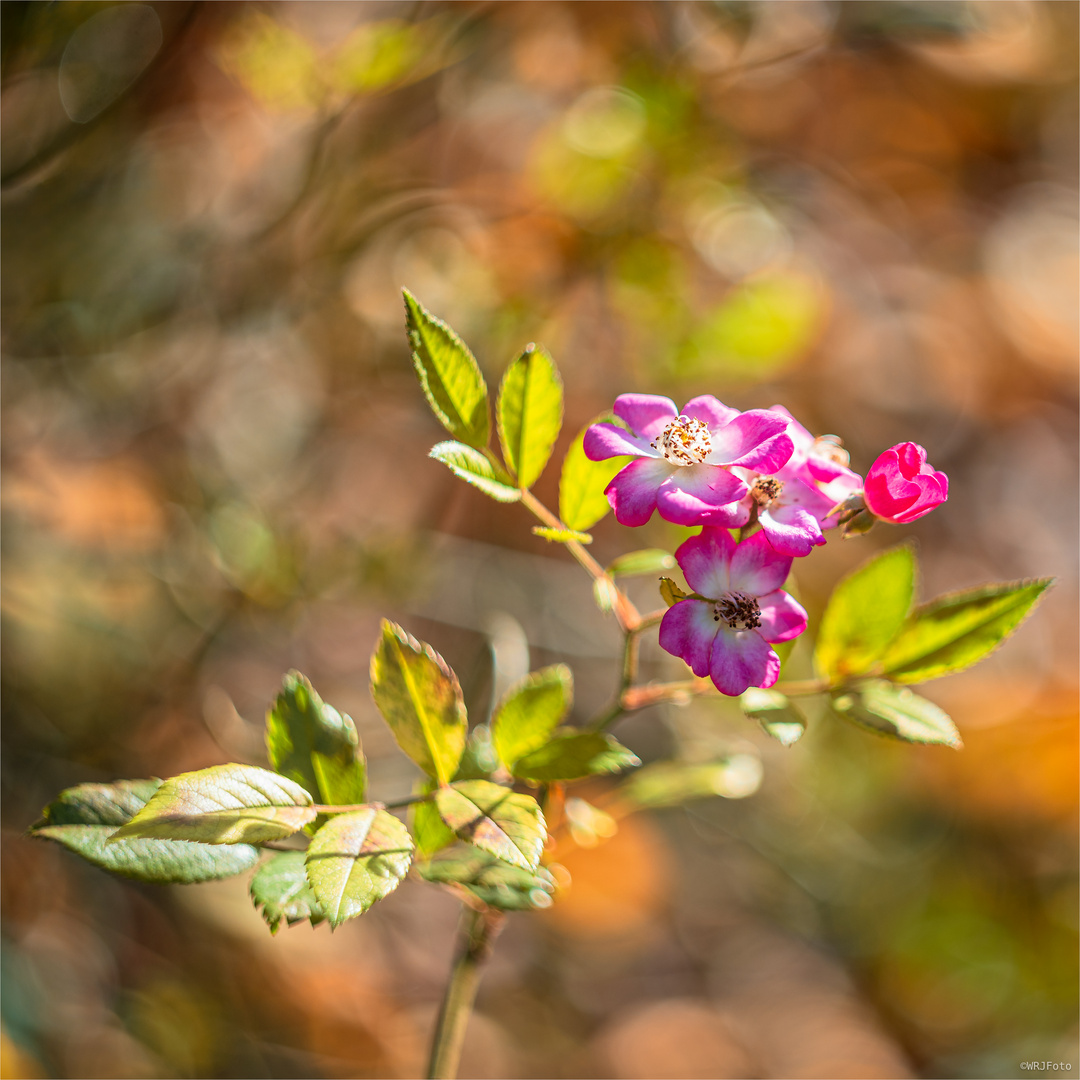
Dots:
pixel 684 460
pixel 901 486
pixel 793 505
pixel 725 632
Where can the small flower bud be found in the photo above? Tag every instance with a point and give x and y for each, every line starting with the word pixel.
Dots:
pixel 901 487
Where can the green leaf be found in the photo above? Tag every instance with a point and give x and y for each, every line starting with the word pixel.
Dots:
pixel 530 711
pixel 473 467
pixel 281 891
pixel 530 412
pixel 495 819
pixel 671 783
pixel 561 536
pixel 897 711
pixel 84 818
pixel 420 699
pixel 428 829
pixel 356 859
pixel 646 561
pixel 955 631
pixel 776 713
pixel 449 375
pixel 226 804
pixel 574 754
pixel 582 502
pixel 490 880
pixel 864 613
pixel 313 744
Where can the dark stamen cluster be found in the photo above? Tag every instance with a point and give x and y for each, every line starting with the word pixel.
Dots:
pixel 739 611
pixel 766 490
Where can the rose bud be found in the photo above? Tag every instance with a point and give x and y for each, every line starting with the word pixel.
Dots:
pixel 901 487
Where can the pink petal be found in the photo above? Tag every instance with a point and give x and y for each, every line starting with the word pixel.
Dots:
pixel 741 659
pixel 687 630
pixel 756 440
pixel 604 441
pixel 704 560
pixel 710 410
pixel 782 618
pixel 647 414
pixel 632 493
pixel 911 458
pixel 930 495
pixel 693 494
pixel 756 568
pixel 791 530
pixel 802 438
pixel 732 516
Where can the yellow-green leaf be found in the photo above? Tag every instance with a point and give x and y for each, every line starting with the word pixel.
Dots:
pixel 449 374
pixel 474 468
pixel 573 754
pixel 356 859
pixel 282 893
pixel 84 818
pixel 495 819
pixel 312 743
pixel 582 502
pixel 776 713
pixel 954 631
pixel 420 699
pixel 864 613
pixel 490 880
pixel 530 412
pixel 561 536
pixel 897 711
pixel 530 711
pixel 225 804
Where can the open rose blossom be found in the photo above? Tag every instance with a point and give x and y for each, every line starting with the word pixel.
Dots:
pixel 740 610
pixel 901 486
pixel 794 504
pixel 684 460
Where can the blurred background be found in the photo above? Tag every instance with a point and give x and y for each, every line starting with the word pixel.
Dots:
pixel 214 471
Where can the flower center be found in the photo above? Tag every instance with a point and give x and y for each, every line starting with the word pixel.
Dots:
pixel 739 611
pixel 685 441
pixel 766 491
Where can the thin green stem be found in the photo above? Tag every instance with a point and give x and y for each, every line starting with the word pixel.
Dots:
pixel 476 937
